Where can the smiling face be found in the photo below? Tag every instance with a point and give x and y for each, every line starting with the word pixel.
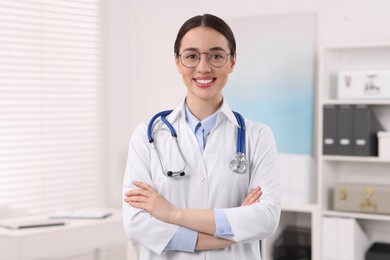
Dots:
pixel 205 82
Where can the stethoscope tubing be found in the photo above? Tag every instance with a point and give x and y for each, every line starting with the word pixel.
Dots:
pixel 240 147
pixel 163 114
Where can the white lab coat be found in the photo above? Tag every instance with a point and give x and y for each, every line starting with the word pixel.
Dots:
pixel 209 183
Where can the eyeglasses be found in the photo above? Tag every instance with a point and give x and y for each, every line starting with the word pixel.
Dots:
pixel 216 58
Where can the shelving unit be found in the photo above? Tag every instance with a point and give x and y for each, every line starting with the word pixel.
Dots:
pixel 337 169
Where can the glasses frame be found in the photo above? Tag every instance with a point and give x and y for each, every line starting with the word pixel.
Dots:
pixel 208 58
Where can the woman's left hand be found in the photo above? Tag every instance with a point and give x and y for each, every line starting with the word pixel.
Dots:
pixel 147 198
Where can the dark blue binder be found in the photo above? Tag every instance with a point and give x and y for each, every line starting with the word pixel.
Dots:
pixel 345 130
pixel 366 128
pixel 330 129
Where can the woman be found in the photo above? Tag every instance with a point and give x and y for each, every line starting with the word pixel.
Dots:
pixel 203 209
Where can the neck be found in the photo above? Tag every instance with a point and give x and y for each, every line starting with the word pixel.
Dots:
pixel 202 109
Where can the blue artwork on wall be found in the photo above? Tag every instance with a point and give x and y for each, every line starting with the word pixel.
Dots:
pixel 273 81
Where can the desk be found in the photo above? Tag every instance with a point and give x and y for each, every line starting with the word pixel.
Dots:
pixel 49 242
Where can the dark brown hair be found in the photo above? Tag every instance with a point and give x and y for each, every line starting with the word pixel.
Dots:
pixel 206 20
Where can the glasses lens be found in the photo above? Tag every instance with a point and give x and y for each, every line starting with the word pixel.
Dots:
pixel 217 58
pixel 190 58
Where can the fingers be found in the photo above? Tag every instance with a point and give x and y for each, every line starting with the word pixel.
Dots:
pixel 139 192
pixel 143 185
pixel 136 199
pixel 146 189
pixel 252 197
pixel 139 198
pixel 139 205
pixel 251 193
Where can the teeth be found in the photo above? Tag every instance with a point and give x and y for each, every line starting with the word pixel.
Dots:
pixel 204 81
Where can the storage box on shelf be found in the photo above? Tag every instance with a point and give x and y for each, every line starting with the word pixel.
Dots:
pixel 300 217
pixel 348 168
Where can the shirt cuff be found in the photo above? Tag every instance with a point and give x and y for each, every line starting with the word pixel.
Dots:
pixel 183 240
pixel 222 225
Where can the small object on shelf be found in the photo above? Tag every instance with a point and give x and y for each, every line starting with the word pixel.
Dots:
pixel 81 214
pixel 384 145
pixel 363 84
pixel 378 251
pixel 23 223
pixel 362 198
pixel 294 243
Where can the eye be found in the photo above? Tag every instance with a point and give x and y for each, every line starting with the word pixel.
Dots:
pixel 217 56
pixel 190 56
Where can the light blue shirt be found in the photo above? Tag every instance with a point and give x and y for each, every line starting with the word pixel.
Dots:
pixel 185 239
pixel 202 128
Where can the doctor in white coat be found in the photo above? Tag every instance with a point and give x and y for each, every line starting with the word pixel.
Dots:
pixel 212 212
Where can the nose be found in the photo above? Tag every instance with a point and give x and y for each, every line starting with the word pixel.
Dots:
pixel 204 66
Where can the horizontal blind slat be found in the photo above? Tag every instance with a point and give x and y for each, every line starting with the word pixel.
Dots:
pixel 20 173
pixel 28 37
pixel 21 33
pixel 86 4
pixel 52 19
pixel 28 8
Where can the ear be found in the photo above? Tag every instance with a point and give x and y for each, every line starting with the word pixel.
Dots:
pixel 177 62
pixel 232 63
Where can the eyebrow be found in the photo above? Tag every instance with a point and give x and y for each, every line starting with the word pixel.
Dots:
pixel 211 49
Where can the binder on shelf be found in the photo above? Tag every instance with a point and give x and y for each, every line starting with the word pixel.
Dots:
pixel 343 238
pixel 345 130
pixel 330 129
pixel 352 241
pixel 329 238
pixel 366 127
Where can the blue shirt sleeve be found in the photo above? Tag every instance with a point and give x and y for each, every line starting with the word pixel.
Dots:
pixel 183 240
pixel 222 225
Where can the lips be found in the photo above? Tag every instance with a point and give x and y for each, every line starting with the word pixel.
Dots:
pixel 204 82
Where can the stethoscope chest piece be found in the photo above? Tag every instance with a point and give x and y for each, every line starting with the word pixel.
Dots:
pixel 238 164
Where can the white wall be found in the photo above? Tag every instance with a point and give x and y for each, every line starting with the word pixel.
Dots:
pixel 142 78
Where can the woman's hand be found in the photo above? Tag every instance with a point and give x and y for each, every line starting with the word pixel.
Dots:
pixel 147 198
pixel 252 197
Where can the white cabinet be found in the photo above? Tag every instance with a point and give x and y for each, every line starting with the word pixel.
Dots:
pixel 337 169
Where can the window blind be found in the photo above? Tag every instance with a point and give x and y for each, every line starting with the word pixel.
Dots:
pixel 51 127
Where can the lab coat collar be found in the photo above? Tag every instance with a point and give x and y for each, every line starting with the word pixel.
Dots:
pixel 225 110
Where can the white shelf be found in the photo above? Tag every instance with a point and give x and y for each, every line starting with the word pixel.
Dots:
pixel 357 46
pixel 361 159
pixel 303 208
pixel 362 216
pixel 356 102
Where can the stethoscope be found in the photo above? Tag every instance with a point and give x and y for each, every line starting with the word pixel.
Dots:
pixel 238 164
